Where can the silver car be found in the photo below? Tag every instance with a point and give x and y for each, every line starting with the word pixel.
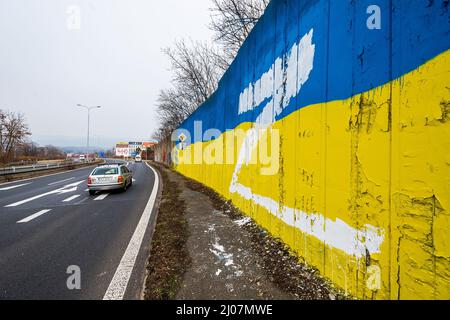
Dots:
pixel 109 177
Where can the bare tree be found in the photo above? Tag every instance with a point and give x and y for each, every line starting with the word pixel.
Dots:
pixel 13 131
pixel 173 108
pixel 51 152
pixel 29 150
pixel 232 21
pixel 197 68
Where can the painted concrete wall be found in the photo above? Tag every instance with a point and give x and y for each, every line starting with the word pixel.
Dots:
pixel 355 112
pixel 163 151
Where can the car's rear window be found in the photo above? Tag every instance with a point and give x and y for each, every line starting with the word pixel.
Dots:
pixel 105 171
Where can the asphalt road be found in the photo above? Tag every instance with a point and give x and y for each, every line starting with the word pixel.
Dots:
pixel 49 224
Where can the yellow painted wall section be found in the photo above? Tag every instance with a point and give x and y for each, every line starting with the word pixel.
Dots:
pixel 377 164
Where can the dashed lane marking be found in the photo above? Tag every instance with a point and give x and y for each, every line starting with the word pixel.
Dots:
pixel 81 201
pixel 34 216
pixel 101 197
pixel 71 198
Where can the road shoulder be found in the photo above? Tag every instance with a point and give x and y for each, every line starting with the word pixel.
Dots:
pixel 204 248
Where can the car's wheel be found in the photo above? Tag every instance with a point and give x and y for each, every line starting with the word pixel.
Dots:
pixel 91 192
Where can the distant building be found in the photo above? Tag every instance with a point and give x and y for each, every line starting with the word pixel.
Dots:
pixel 134 147
pixel 122 150
pixel 147 145
pixel 130 149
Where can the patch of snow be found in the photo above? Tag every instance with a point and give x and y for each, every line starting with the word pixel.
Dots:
pixel 229 262
pixel 219 251
pixel 243 221
pixel 230 287
pixel 218 247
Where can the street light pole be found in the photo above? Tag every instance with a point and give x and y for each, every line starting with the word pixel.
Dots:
pixel 88 126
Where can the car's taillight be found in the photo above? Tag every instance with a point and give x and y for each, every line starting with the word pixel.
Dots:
pixel 89 180
pixel 120 179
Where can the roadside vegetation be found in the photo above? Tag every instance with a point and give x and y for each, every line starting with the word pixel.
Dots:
pixel 16 148
pixel 169 258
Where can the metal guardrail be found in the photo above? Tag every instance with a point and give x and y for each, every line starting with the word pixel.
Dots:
pixel 38 167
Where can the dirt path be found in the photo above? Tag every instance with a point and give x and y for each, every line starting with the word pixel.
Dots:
pixel 223 265
pixel 229 256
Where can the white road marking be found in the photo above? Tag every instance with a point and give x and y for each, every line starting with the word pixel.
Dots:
pixel 34 216
pixel 71 198
pixel 81 201
pixel 101 197
pixel 50 184
pixel 86 190
pixel 62 190
pixel 14 187
pixel 119 282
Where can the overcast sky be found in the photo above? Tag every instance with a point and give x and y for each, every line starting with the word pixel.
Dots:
pixel 48 65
